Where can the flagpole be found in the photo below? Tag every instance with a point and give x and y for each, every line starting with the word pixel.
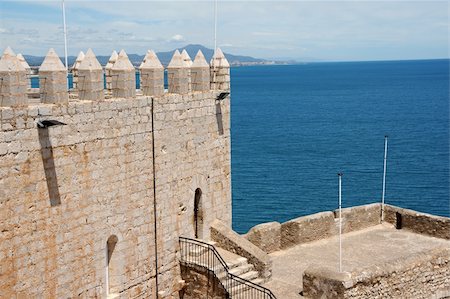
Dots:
pixel 65 37
pixel 215 25
pixel 384 177
pixel 340 221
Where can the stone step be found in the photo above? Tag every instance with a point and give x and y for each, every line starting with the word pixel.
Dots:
pixel 249 275
pixel 241 269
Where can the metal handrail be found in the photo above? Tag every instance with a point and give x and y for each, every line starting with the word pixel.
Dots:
pixel 212 260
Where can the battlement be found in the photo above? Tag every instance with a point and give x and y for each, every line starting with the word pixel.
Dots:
pixel 117 79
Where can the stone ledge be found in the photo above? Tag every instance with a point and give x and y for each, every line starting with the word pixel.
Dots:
pixel 229 240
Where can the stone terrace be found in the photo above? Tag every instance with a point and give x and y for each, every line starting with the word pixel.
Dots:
pixel 368 247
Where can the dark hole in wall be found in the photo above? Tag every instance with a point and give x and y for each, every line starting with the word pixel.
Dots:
pixel 49 167
pixel 219 118
pixel 398 217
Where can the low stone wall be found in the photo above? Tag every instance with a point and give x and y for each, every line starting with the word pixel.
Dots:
pixel 424 275
pixel 359 217
pixel 229 240
pixel 273 236
pixel 266 236
pixel 201 283
pixel 417 222
pixel 307 229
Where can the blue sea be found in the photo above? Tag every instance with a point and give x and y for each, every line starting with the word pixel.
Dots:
pixel 295 127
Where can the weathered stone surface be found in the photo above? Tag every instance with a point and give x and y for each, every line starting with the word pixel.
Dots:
pixel 226 238
pixel 359 217
pixel 201 283
pixel 90 72
pixel 13 80
pixel 220 71
pixel 178 74
pixel 188 62
pixel 108 67
pixel 306 229
pixel 424 275
pixel 266 236
pixel 123 77
pixel 152 75
pixel 26 66
pixel 66 189
pixel 417 222
pixel 53 80
pixel 200 73
pixel 75 67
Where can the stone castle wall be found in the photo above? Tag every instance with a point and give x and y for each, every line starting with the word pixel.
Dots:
pixel 77 201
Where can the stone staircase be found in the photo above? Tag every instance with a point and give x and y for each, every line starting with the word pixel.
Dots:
pixel 237 265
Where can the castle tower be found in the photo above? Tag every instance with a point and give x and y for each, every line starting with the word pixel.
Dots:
pixel 188 61
pixel 220 71
pixel 108 68
pixel 26 66
pixel 13 80
pixel 200 74
pixel 75 67
pixel 152 75
pixel 123 74
pixel 178 74
pixel 53 80
pixel 90 84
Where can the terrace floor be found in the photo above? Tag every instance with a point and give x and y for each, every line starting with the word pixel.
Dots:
pixel 372 246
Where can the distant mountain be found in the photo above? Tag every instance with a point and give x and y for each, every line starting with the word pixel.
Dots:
pixel 165 57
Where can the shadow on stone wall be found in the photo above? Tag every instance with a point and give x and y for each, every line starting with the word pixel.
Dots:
pixel 49 167
pixel 201 283
pixel 219 117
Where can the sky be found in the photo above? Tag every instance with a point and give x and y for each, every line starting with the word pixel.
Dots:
pixel 299 30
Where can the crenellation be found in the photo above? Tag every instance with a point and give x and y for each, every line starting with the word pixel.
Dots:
pixel 178 74
pixel 108 75
pixel 75 67
pixel 220 71
pixel 53 80
pixel 90 85
pixel 13 80
pixel 152 75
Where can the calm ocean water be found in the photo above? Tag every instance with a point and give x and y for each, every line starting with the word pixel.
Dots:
pixel 294 127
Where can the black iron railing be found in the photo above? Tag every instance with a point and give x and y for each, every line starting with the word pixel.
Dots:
pixel 198 253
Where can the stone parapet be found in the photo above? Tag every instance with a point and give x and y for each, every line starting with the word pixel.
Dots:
pixel 178 74
pixel 108 74
pixel 13 80
pixel 200 73
pixel 229 240
pixel 152 75
pixel 266 236
pixel 53 80
pixel 220 71
pixel 423 275
pixel 123 77
pixel 90 72
pixel 75 67
pixel 417 222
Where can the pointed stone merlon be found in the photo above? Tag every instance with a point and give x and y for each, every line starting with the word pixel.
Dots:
pixel 200 73
pixel 53 80
pixel 108 68
pixel 13 81
pixel 90 78
pixel 188 63
pixel 152 75
pixel 27 68
pixel 178 75
pixel 75 67
pixel 123 77
pixel 220 71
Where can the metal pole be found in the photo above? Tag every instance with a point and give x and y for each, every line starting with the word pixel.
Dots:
pixel 384 177
pixel 65 40
pixel 215 26
pixel 340 221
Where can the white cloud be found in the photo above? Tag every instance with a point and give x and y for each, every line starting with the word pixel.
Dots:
pixel 177 38
pixel 3 30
